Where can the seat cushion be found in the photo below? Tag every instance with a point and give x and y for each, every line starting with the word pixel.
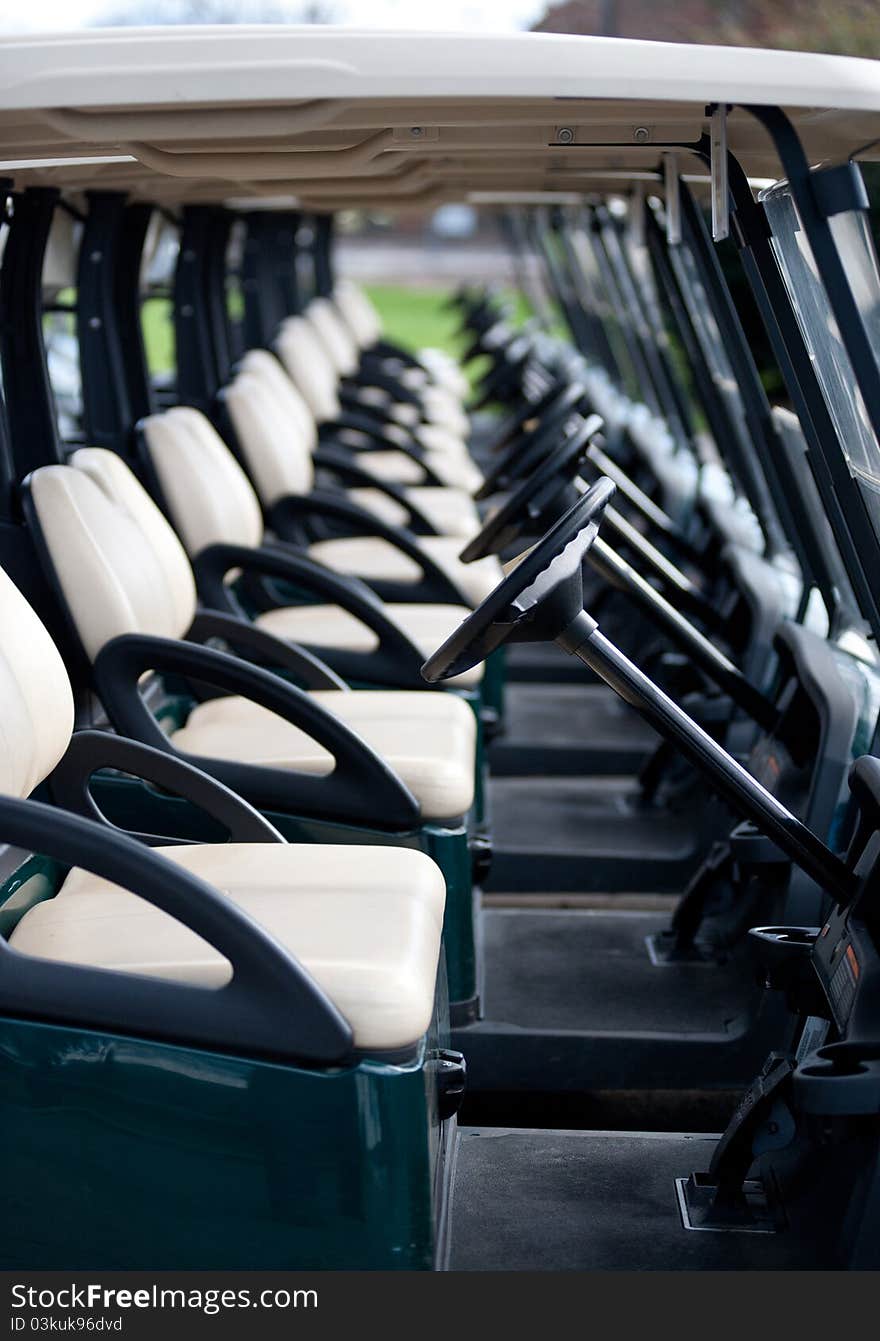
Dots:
pixel 450 511
pixel 394 466
pixel 375 560
pixel 365 922
pixel 454 468
pixel 456 472
pixel 328 626
pixel 445 412
pixel 445 372
pixel 428 739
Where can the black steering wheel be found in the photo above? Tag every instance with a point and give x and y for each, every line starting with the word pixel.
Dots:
pixel 526 450
pixel 530 409
pixel 537 600
pixel 531 501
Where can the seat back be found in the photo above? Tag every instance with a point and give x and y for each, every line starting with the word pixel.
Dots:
pixel 36 702
pixel 117 561
pixel 278 455
pixel 268 366
pixel 309 368
pixel 339 344
pixel 207 494
pixel 358 312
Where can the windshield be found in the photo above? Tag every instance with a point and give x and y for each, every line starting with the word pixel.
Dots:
pixel 711 344
pixel 819 328
pixel 602 306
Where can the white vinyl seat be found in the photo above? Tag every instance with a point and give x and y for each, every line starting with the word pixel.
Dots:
pixel 365 922
pixel 185 449
pixel 437 405
pixel 374 560
pixel 450 511
pixel 314 377
pixel 428 739
pixel 294 431
pixel 122 569
pixel 259 421
pixel 328 626
pixel 363 321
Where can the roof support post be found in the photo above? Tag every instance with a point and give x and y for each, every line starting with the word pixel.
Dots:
pixel 30 403
pixel 197 374
pixel 718 167
pixel 127 288
pixel 269 275
pixel 284 259
pixel 322 252
pixel 219 228
pixel 107 417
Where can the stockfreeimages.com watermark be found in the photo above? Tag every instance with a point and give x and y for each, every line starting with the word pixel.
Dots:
pixel 30 1303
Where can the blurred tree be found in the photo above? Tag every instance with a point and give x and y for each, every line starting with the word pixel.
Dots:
pixel 150 13
pixel 844 27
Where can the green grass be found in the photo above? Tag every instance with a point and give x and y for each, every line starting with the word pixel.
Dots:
pixel 415 318
pixel 158 334
pixel 412 317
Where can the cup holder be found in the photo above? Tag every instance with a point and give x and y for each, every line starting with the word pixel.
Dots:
pixel 843 1059
pixel 784 953
pixel 840 1079
pixel 804 937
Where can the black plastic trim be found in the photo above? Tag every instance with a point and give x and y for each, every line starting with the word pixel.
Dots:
pixel 89 751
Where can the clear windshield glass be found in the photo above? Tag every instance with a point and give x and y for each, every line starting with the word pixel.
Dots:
pixel 709 336
pixel 602 305
pixel 852 234
pixel 820 331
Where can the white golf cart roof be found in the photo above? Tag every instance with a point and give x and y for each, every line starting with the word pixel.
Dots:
pixel 339 117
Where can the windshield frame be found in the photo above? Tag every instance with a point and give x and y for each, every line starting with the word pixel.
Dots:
pixel 857 539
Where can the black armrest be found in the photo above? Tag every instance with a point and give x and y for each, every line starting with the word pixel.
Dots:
pixel 396 364
pixel 396 660
pixel 89 751
pixel 371 375
pixel 361 789
pixel 270 1006
pixel 353 402
pixel 384 349
pixel 244 637
pixel 344 465
pixel 288 518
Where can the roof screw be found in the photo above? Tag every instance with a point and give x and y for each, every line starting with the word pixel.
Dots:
pixel 565 135
pixel 417 132
pixel 641 135
pixel 95 323
pixel 95 257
